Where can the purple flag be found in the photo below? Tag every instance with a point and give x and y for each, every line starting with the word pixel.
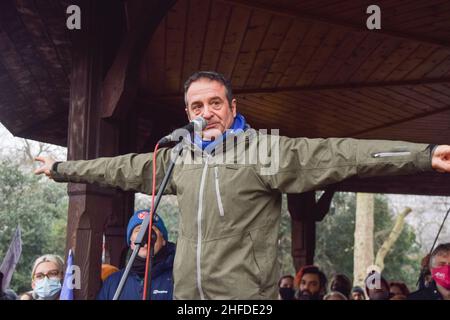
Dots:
pixel 68 284
pixel 11 258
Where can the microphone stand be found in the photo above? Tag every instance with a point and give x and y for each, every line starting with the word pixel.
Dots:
pixel 140 239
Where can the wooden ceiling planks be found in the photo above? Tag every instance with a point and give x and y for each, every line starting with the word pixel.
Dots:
pixel 426 68
pixel 374 60
pixel 176 24
pixel 432 128
pixel 416 58
pixel 442 69
pixel 339 57
pixel 310 43
pixel 287 50
pixel 219 18
pixel 154 64
pixel 330 113
pixel 238 24
pixel 274 37
pixel 15 74
pixel 45 45
pixel 397 57
pixel 251 43
pixel 196 28
pixel 318 61
pixel 53 14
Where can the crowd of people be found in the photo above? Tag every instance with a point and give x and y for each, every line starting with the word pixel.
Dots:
pixel 47 273
pixel 310 283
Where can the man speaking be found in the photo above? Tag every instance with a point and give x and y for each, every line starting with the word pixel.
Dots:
pixel 230 205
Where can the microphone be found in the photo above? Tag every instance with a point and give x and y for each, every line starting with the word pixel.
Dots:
pixel 198 123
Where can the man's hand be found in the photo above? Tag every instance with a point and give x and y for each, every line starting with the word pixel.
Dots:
pixel 441 159
pixel 46 167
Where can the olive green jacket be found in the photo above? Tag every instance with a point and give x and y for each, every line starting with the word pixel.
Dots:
pixel 230 206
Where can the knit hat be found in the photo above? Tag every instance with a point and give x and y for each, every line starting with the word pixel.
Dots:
pixel 137 218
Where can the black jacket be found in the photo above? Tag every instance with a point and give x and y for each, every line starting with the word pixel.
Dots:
pixel 429 293
pixel 162 280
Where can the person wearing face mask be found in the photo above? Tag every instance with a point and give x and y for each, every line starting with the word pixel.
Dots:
pixel 46 276
pixel 439 287
pixel 286 288
pixel 162 265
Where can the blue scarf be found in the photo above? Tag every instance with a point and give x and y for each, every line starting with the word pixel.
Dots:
pixel 239 123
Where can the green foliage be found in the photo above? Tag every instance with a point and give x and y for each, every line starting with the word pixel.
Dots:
pixel 40 207
pixel 335 240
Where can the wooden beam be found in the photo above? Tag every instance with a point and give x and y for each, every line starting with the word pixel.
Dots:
pixel 121 82
pixel 346 86
pixel 430 183
pixel 90 136
pixel 393 123
pixel 333 22
pixel 303 228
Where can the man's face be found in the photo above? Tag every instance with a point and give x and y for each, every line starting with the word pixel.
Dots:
pixel 160 242
pixel 287 283
pixel 379 293
pixel 357 296
pixel 441 260
pixel 310 284
pixel 395 290
pixel 207 98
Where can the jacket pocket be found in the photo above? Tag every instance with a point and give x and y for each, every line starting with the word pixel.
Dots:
pixel 390 154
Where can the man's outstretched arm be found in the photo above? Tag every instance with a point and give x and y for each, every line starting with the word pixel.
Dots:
pixel 127 172
pixel 309 164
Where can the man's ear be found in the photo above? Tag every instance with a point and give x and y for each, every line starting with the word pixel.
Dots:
pixel 233 107
pixel 187 113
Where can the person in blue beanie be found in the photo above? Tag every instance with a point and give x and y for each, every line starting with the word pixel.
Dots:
pixel 162 267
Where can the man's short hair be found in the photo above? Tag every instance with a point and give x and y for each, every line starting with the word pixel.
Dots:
pixel 213 76
pixel 314 270
pixel 443 248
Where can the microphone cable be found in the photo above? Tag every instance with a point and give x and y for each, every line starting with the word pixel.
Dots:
pixel 150 225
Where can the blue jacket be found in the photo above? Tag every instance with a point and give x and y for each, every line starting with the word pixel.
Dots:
pixel 161 286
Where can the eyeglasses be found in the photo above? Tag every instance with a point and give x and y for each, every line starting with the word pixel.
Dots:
pixel 52 275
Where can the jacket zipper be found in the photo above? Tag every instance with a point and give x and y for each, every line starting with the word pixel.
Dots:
pixel 390 154
pixel 219 199
pixel 199 229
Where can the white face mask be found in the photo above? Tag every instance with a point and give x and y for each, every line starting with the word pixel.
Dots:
pixel 47 289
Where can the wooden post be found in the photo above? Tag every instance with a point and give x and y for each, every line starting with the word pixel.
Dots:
pixel 303 228
pixel 103 74
pixel 305 211
pixel 89 137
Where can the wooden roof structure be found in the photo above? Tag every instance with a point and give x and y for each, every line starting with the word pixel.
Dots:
pixel 310 68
